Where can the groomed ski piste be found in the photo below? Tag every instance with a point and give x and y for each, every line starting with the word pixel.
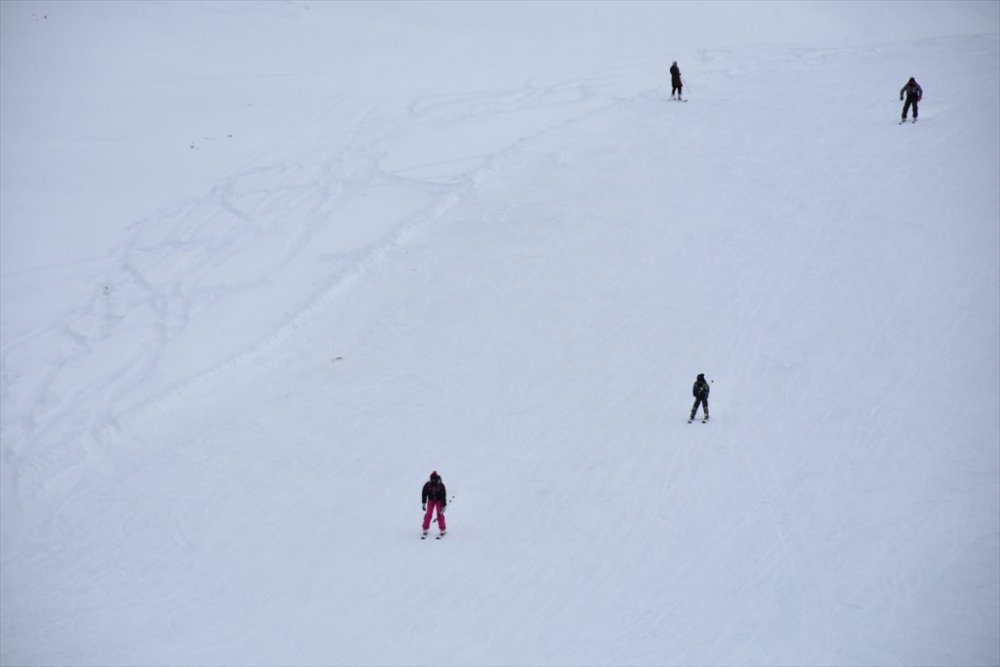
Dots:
pixel 267 265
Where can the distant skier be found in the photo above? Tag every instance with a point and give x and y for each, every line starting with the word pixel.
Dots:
pixel 700 391
pixel 676 84
pixel 913 93
pixel 434 497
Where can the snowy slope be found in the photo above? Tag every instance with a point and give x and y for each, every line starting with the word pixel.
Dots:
pixel 415 253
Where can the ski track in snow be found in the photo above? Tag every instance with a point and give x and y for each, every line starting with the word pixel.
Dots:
pixel 181 263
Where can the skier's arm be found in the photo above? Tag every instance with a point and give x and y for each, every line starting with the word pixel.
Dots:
pixel 444 497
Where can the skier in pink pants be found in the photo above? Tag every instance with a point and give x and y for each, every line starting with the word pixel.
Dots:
pixel 434 496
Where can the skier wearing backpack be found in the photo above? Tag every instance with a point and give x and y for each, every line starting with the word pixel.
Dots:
pixel 700 391
pixel 434 497
pixel 676 84
pixel 913 93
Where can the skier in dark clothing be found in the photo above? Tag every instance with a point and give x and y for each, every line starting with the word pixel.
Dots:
pixel 676 84
pixel 434 496
pixel 700 391
pixel 913 93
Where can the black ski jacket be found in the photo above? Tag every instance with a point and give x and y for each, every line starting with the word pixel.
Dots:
pixel 700 389
pixel 913 91
pixel 675 76
pixel 434 491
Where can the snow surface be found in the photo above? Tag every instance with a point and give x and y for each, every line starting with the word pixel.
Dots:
pixel 266 265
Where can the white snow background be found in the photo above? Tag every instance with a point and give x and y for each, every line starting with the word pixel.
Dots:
pixel 266 265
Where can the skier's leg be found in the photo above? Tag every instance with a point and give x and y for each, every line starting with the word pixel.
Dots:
pixel 694 408
pixel 906 108
pixel 704 405
pixel 914 109
pixel 427 515
pixel 440 514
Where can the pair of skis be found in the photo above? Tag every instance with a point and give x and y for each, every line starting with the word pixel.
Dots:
pixel 703 421
pixel 904 120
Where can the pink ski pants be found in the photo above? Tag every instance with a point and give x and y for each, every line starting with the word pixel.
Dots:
pixel 431 506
